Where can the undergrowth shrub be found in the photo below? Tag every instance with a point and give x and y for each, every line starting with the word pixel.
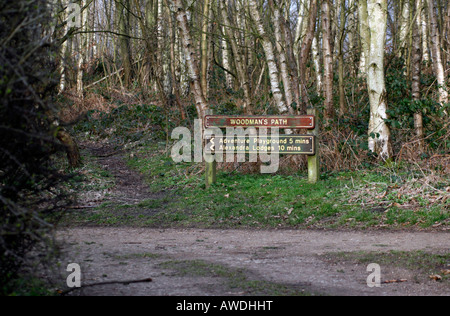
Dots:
pixel 29 183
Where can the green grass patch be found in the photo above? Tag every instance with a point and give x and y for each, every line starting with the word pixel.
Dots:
pixel 237 199
pixel 363 199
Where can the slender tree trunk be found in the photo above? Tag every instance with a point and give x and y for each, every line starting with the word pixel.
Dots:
pixel 306 50
pixel 352 33
pixel 200 100
pixel 149 28
pixel 213 28
pixel 379 133
pixel 341 39
pixel 82 47
pixel 183 68
pixel 270 59
pixel 300 29
pixel 332 6
pixel 62 64
pixel 436 53
pixel 447 38
pixel 440 12
pixel 425 38
pixel 204 47
pixel 122 18
pixel 315 52
pixel 175 80
pixel 404 27
pixel 292 61
pixel 163 51
pixel 244 79
pixel 365 37
pixel 416 65
pixel 94 39
pixel 281 46
pixel 327 60
pixel 226 61
pixel 316 61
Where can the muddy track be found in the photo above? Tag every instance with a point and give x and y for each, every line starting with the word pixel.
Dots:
pixel 129 185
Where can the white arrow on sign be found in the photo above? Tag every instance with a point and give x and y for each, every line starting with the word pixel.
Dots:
pixel 212 144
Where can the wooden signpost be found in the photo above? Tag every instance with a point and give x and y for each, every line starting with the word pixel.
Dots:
pixel 252 144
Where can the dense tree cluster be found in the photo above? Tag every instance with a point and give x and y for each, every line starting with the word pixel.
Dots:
pixel 282 56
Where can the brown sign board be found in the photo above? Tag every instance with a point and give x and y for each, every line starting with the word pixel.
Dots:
pixel 252 144
pixel 289 122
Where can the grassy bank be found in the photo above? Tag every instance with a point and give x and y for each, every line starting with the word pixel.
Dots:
pixel 365 198
pixel 371 195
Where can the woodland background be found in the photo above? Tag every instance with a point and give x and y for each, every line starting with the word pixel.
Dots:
pixel 260 57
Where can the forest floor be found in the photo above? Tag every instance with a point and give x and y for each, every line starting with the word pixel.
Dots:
pixel 232 261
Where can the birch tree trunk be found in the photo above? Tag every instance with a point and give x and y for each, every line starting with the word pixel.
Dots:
pixel 292 61
pixel 327 60
pixel 62 64
pixel 93 43
pixel 436 53
pixel 316 61
pixel 281 46
pixel 404 27
pixel 270 59
pixel 416 65
pixel 425 38
pixel 183 69
pixel 200 100
pixel 379 133
pixel 365 37
pixel 163 51
pixel 82 48
pixel 362 68
pixel 300 29
pixel 226 61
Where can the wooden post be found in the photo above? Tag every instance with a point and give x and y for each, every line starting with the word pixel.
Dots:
pixel 210 167
pixel 211 173
pixel 313 161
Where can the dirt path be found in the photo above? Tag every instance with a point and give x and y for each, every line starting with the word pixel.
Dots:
pixel 129 186
pixel 293 258
pixel 234 262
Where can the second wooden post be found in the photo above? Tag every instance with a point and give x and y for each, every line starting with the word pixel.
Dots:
pixel 314 160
